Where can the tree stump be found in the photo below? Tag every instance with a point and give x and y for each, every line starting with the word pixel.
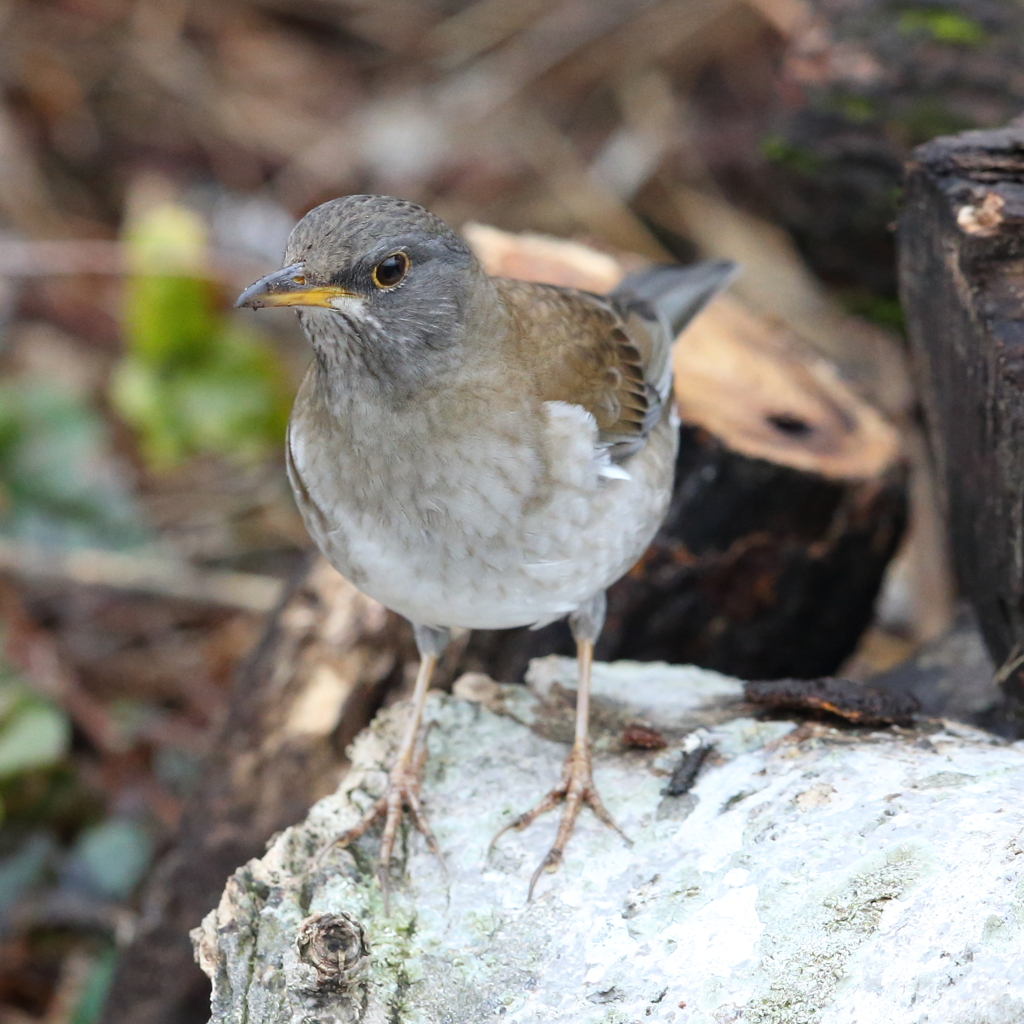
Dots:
pixel 790 500
pixel 962 283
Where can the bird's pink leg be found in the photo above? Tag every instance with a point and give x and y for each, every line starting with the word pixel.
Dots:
pixel 403 789
pixel 576 788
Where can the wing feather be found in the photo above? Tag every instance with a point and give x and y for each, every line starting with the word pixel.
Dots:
pixel 585 355
pixel 611 355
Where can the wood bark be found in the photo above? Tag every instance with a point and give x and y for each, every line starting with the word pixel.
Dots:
pixel 962 283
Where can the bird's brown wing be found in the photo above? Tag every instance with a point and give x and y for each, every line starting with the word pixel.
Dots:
pixel 585 350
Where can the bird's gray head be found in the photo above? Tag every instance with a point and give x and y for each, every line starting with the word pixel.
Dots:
pixel 382 285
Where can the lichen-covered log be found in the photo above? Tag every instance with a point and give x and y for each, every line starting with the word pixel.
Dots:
pixel 962 281
pixel 317 677
pixel 810 875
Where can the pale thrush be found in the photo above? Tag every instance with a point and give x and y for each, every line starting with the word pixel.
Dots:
pixel 475 451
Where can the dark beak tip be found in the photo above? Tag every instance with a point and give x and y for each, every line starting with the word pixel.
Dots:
pixel 279 281
pixel 250 298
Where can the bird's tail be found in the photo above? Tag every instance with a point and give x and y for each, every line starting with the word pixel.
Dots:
pixel 678 294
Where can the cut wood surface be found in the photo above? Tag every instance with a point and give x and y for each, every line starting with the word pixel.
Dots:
pixel 790 498
pixel 962 282
pixel 749 383
pixel 812 875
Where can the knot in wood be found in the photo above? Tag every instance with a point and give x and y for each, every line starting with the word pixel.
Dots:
pixel 335 946
pixel 984 218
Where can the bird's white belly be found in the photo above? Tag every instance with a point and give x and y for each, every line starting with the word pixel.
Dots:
pixel 490 540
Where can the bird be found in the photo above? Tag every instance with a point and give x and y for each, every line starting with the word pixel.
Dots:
pixel 475 451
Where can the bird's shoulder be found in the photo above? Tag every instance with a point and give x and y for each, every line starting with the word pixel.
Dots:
pixel 585 350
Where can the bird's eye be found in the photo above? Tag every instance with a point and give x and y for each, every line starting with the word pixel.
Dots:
pixel 391 270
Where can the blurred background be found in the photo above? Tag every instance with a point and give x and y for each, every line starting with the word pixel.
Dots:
pixel 154 155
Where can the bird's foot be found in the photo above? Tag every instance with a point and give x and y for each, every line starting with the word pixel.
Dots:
pixel 402 793
pixel 575 790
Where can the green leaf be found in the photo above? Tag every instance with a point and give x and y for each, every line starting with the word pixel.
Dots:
pixel 11 694
pixel 34 735
pixel 943 26
pixel 193 380
pixel 58 476
pixel 170 320
pixel 93 997
pixel 166 238
pixel 796 158
pixel 140 394
pixel 115 855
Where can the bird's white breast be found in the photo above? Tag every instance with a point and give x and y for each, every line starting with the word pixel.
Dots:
pixel 488 527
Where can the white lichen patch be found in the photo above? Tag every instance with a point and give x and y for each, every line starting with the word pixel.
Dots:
pixel 810 877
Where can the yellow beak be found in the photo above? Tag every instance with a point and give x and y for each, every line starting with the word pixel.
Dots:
pixel 287 287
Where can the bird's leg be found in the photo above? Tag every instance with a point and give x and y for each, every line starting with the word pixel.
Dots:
pixel 406 775
pixel 576 787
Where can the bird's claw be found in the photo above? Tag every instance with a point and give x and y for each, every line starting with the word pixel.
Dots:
pixel 402 793
pixel 576 790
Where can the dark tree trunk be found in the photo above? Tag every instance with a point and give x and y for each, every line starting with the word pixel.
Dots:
pixel 961 248
pixel 762 571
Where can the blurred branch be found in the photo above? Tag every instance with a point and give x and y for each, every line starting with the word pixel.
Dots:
pixel 655 33
pixel 146 574
pixel 74 976
pixel 555 36
pixel 24 197
pixel 790 17
pixel 21 258
pixel 597 209
pixel 478 27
